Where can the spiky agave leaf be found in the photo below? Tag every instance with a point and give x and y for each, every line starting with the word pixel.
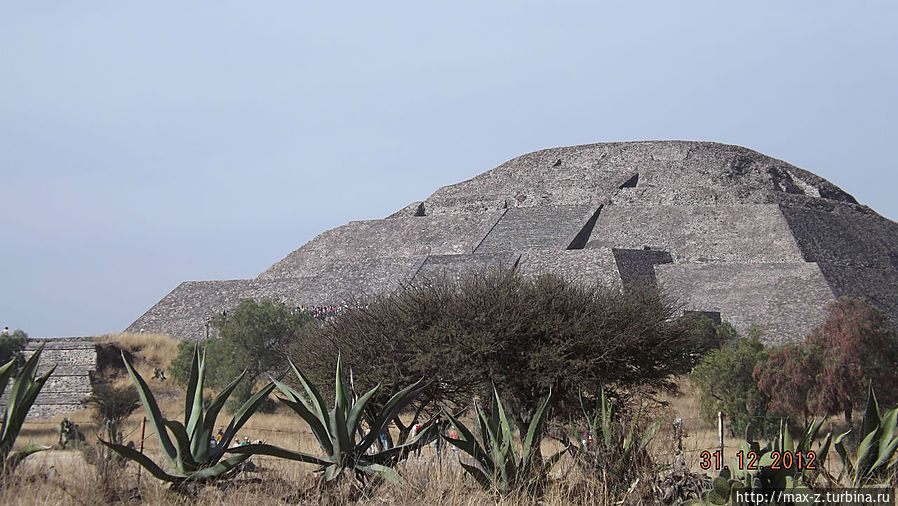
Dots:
pixel 22 395
pixel 155 416
pixel 397 453
pixel 240 418
pixel 6 371
pixel 317 425
pixel 888 439
pixel 336 430
pixel 498 466
pixel 208 425
pixel 193 401
pixel 189 455
pixel 399 401
pixel 535 430
pixel 469 444
pixel 143 461
pixel 275 451
pixel 18 456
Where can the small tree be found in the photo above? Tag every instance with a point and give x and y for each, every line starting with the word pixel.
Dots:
pixel 11 347
pixel 710 336
pixel 855 348
pixel 113 405
pixel 787 378
pixel 527 335
pixel 725 379
pixel 251 338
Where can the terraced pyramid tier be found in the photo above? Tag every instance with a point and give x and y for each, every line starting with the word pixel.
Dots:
pixel 729 231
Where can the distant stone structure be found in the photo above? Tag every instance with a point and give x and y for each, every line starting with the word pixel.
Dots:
pixel 75 359
pixel 729 231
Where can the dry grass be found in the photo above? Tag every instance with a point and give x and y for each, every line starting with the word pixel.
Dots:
pixel 63 477
pixel 157 350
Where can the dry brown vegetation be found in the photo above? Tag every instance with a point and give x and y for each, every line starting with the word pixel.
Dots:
pixel 64 477
pixel 155 350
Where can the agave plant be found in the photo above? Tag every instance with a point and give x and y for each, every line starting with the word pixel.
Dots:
pixel 21 396
pixel 497 465
pixel 340 434
pixel 877 458
pixel 186 446
pixel 605 449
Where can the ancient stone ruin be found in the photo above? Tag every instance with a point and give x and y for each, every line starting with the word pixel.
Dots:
pixel 75 359
pixel 729 231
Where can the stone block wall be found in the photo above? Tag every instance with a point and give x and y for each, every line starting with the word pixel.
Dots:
pixel 394 237
pixel 637 266
pixel 732 233
pixel 534 227
pixel 844 235
pixel 784 300
pixel 184 311
pixel 585 265
pixel 456 266
pixel 75 359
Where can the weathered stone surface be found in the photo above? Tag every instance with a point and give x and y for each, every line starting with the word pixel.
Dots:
pixel 587 265
pixel 637 266
pixel 783 300
pixel 394 237
pixel 728 229
pixel 704 233
pixel 534 227
pixel 75 359
pixel 844 235
pixel 457 266
pixel 876 285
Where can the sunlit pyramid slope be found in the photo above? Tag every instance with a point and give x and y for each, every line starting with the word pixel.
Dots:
pixel 727 230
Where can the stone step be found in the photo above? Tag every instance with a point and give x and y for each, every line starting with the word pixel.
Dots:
pixel 60 344
pixel 55 398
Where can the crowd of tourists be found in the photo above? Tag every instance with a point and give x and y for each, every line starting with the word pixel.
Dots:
pixel 324 312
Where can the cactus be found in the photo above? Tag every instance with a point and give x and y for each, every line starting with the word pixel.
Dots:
pixel 190 456
pixel 339 432
pixel 496 464
pixel 21 397
pixel 767 480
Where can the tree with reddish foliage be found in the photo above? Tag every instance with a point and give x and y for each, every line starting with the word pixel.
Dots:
pixel 788 377
pixel 854 347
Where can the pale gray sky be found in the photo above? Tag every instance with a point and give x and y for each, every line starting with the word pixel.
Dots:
pixel 142 145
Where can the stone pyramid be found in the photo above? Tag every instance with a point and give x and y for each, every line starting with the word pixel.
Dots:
pixel 729 231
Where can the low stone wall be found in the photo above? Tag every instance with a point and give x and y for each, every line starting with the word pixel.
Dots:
pixel 74 358
pixel 583 265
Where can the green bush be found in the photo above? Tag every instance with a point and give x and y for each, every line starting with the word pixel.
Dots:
pixel 250 338
pixel 725 380
pixel 11 347
pixel 831 370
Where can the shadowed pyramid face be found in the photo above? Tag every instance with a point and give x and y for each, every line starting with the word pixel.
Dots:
pixel 727 230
